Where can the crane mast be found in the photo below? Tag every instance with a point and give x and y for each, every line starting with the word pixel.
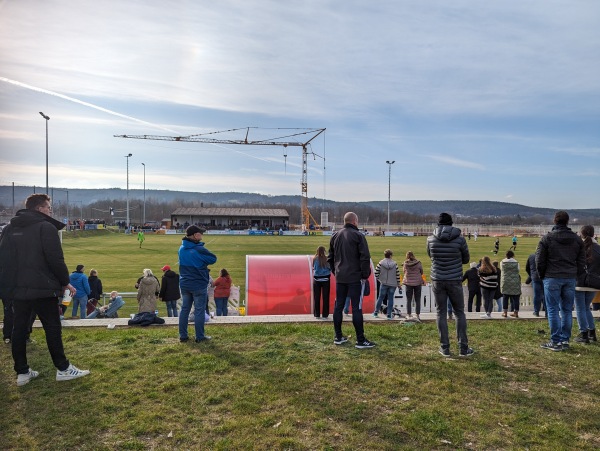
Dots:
pixel 203 138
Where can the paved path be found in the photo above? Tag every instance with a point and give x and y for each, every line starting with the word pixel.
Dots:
pixel 425 317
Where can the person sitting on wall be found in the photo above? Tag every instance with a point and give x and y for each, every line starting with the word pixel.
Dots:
pixel 110 310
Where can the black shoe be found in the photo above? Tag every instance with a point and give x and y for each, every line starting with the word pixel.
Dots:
pixel 205 338
pixel 365 344
pixel 583 338
pixel 466 352
pixel 565 345
pixel 592 335
pixel 552 346
pixel 340 341
pixel 444 351
pixel 184 340
pixel 536 313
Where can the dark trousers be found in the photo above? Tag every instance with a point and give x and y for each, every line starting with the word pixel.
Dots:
pixel 9 320
pixel 342 291
pixel 413 292
pixel 449 291
pixel 488 299
pixel 477 295
pixel 47 311
pixel 321 288
pixel 514 302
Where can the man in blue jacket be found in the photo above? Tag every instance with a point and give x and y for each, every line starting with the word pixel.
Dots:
pixel 194 259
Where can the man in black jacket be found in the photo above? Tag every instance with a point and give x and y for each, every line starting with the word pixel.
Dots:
pixel 472 277
pixel 559 259
pixel 169 290
pixel 449 251
pixel 34 275
pixel 350 261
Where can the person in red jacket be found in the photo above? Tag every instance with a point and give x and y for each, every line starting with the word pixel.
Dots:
pixel 222 291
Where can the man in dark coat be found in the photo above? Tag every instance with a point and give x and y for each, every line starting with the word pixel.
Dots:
pixel 350 261
pixel 472 277
pixel 34 275
pixel 449 251
pixel 169 290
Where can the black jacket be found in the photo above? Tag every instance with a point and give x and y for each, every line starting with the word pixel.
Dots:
pixel 531 269
pixel 169 288
pixel 472 277
pixel 95 287
pixel 593 266
pixel 32 264
pixel 560 254
pixel 349 257
pixel 448 251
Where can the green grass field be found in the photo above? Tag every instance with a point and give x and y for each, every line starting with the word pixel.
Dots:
pixel 286 386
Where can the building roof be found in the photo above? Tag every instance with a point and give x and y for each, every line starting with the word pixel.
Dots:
pixel 247 212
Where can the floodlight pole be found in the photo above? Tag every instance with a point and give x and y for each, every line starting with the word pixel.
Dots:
pixel 144 217
pixel 127 156
pixel 47 119
pixel 390 163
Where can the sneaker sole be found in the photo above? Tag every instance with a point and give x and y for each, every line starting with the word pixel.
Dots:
pixel 339 343
pixel 444 355
pixel 70 377
pixel 364 347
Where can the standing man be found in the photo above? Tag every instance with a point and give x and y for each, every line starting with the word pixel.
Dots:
pixel 141 237
pixel 449 251
pixel 34 275
pixel 536 284
pixel 559 259
pixel 350 262
pixel 194 259
pixel 471 275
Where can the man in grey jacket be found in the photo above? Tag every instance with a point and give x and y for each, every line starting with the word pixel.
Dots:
pixel 449 252
pixel 559 259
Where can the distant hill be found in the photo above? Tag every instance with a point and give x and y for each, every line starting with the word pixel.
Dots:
pixel 466 208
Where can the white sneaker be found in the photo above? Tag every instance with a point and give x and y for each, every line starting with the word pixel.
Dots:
pixel 486 316
pixel 71 373
pixel 23 379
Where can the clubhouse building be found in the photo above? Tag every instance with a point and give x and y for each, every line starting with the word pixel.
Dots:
pixel 231 218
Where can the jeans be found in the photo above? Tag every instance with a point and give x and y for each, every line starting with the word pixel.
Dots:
pixel 111 311
pixel 559 295
pixel 514 302
pixel 80 303
pixel 171 308
pixel 199 299
pixel 354 291
pixel 321 288
pixel 47 311
pixel 499 303
pixel 221 304
pixel 583 302
pixel 477 295
pixel 538 295
pixel 488 299
pixel 386 291
pixel 444 291
pixel 413 292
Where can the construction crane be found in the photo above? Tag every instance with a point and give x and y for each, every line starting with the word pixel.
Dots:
pixel 277 141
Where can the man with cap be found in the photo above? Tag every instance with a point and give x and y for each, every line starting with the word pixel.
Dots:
pixel 169 290
pixel 449 252
pixel 194 259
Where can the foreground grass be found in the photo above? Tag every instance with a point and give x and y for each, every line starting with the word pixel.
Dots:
pixel 265 386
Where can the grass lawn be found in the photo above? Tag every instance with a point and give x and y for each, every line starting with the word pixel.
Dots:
pixel 286 386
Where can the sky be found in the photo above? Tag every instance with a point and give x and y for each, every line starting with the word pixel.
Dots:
pixel 496 100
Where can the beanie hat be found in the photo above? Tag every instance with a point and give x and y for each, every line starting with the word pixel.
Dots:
pixel 166 268
pixel 445 219
pixel 194 229
pixel 79 268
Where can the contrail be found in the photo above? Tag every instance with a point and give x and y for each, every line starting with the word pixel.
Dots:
pixel 81 102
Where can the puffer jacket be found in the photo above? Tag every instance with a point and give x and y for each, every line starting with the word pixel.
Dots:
pixel 169 288
pixel 449 252
pixel 32 263
pixel 146 296
pixel 560 254
pixel 531 269
pixel 510 279
pixel 80 281
pixel 194 259
pixel 222 287
pixel 388 273
pixel 349 257
pixel 413 273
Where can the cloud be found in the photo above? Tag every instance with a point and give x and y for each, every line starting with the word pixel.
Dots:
pixel 456 162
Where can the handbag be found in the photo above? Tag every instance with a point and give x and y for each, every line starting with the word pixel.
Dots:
pixel 591 280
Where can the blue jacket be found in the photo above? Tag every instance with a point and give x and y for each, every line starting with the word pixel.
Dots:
pixel 80 281
pixel 193 261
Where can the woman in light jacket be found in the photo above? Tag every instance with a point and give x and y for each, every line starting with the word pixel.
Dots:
pixel 148 292
pixel 321 283
pixel 583 296
pixel 510 284
pixel 413 279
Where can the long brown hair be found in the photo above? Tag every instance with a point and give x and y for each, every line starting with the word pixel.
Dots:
pixel 410 256
pixel 486 265
pixel 321 257
pixel 587 233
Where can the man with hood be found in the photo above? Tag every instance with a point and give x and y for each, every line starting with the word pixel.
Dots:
pixel 560 259
pixel 449 252
pixel 194 259
pixel 34 275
